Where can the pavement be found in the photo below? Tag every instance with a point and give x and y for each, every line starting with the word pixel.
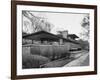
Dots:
pixel 78 58
pixel 83 60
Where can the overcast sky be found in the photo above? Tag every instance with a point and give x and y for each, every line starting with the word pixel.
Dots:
pixel 63 21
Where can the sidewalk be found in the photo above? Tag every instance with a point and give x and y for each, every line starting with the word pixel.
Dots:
pixel 81 61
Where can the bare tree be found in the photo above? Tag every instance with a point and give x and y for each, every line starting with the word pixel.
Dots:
pixel 38 23
pixel 86 25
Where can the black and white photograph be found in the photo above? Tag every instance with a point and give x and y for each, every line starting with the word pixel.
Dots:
pixel 54 39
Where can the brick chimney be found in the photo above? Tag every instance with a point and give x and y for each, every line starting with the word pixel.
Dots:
pixel 65 34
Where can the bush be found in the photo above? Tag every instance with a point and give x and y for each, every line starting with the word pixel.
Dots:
pixel 33 61
pixel 35 50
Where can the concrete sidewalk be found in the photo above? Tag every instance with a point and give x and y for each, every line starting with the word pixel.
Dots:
pixel 81 61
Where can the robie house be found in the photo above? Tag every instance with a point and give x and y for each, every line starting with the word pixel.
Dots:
pixel 51 45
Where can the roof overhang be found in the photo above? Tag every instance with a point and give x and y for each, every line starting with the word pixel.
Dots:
pixel 43 35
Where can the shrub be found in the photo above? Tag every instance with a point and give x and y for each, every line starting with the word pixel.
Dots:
pixel 33 61
pixel 35 49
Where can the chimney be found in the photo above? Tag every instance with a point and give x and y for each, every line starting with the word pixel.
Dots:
pixel 65 34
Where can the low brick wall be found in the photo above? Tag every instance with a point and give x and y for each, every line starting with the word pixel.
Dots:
pixel 51 51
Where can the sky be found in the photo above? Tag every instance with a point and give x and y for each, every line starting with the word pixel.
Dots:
pixel 63 21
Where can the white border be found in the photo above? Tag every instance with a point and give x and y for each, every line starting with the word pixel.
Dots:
pixel 52 70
